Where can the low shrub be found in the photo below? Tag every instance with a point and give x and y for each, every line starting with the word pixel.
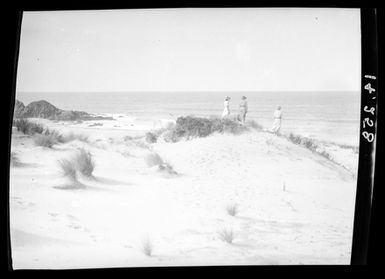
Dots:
pixel 191 127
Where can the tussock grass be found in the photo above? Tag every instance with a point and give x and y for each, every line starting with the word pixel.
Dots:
pixel 232 209
pixel 14 160
pixel 68 169
pixel 151 137
pixel 153 159
pixel 147 247
pixel 27 127
pixel 54 134
pixel 84 162
pixel 45 140
pixel 167 168
pixel 253 124
pixel 310 144
pixel 226 235
pixel 72 136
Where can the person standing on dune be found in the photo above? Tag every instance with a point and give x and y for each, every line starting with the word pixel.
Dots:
pixel 277 121
pixel 226 110
pixel 243 108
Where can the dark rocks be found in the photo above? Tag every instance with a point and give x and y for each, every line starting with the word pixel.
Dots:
pixel 19 108
pixel 43 109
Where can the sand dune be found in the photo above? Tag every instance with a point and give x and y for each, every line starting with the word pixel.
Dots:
pixel 295 206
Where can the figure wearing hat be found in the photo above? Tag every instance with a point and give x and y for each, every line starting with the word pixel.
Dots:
pixel 226 110
pixel 243 108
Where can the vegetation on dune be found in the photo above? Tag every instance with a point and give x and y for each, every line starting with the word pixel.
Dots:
pixel 226 235
pixel 147 247
pixel 151 137
pixel 253 124
pixel 14 160
pixel 84 162
pixel 189 127
pixel 45 140
pixel 72 136
pixel 153 159
pixel 232 209
pixel 68 169
pixel 27 127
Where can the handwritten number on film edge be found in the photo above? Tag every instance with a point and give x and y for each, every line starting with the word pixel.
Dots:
pixel 367 121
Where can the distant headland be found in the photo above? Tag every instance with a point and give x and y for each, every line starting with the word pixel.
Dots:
pixel 44 109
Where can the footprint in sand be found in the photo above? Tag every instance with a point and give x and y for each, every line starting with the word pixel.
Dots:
pixel 70 221
pixel 22 204
pixel 74 223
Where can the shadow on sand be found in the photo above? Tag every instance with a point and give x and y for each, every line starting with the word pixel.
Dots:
pixel 76 185
pixel 107 181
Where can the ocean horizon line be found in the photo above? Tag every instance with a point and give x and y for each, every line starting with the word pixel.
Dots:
pixel 198 91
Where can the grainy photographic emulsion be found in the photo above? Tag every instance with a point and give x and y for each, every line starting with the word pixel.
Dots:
pixel 185 137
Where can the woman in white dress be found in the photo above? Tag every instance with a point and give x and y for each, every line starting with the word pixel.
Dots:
pixel 243 108
pixel 277 121
pixel 226 110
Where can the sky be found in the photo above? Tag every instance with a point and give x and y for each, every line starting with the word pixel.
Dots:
pixel 247 49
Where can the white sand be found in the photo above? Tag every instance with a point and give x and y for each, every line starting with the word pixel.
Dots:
pixel 295 206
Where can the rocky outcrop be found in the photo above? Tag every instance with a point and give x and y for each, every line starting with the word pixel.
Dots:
pixel 44 109
pixel 41 109
pixel 19 108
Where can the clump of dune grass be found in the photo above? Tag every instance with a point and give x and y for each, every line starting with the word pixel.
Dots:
pixel 84 162
pixel 232 209
pixel 226 235
pixel 147 247
pixel 310 144
pixel 151 137
pixel 54 134
pixel 27 127
pixel 167 168
pixel 68 169
pixel 140 143
pixel 153 159
pixel 253 124
pixel 15 161
pixel 73 136
pixel 45 140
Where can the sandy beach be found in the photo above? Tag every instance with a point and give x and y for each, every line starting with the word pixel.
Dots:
pixel 294 206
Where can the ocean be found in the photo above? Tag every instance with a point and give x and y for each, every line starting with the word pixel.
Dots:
pixel 327 116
